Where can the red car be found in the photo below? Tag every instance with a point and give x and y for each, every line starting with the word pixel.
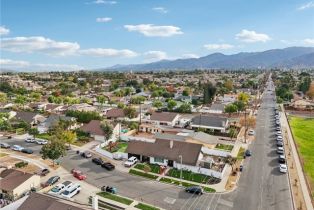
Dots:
pixel 78 174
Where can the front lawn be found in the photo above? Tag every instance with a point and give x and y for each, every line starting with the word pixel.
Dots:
pixel 119 146
pixel 226 147
pixel 188 175
pixel 115 198
pixel 303 133
pixel 154 167
pixel 145 207
pixel 143 174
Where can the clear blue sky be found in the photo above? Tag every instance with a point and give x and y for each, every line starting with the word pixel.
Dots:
pixel 70 34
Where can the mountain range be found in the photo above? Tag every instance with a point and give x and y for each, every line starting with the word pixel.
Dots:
pixel 291 57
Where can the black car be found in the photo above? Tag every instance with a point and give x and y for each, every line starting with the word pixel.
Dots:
pixel 52 181
pixel 248 153
pixel 97 161
pixel 86 154
pixel 278 128
pixel 282 160
pixel 44 172
pixel 109 189
pixel 27 151
pixel 279 143
pixel 195 190
pixel 109 166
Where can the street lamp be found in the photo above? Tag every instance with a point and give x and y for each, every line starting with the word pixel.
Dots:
pixel 180 156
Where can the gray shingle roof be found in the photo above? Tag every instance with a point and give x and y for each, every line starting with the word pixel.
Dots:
pixel 210 121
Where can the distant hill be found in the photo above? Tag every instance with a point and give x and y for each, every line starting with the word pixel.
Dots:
pixel 292 57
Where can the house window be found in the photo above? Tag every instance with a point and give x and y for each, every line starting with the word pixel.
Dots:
pixel 158 160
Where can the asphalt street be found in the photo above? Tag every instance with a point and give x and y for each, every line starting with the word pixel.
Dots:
pixel 261 185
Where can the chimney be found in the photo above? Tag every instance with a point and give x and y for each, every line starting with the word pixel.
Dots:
pixel 171 144
pixel 95 202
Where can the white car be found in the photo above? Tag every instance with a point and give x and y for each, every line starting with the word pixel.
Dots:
pixel 30 140
pixel 279 138
pixel 71 190
pixel 251 133
pixel 280 150
pixel 58 189
pixel 41 141
pixel 17 148
pixel 130 162
pixel 283 168
pixel 278 133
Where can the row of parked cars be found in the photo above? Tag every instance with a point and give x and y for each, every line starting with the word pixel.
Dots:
pixel 98 161
pixel 65 189
pixel 16 148
pixel 280 144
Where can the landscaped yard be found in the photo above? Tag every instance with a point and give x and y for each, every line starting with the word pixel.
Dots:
pixel 43 136
pixel 154 167
pixel 145 207
pixel 241 153
pixel 184 184
pixel 226 147
pixel 115 198
pixel 303 132
pixel 120 146
pixel 143 174
pixel 188 175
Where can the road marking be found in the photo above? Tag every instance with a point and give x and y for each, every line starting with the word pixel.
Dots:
pixel 170 200
pixel 226 203
pixel 211 200
pixel 217 202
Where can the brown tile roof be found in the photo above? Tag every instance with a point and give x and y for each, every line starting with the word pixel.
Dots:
pixel 93 127
pixel 163 116
pixel 12 178
pixel 45 202
pixel 161 148
pixel 115 113
pixel 25 116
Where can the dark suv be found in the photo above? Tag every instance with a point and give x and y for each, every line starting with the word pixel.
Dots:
pixel 195 190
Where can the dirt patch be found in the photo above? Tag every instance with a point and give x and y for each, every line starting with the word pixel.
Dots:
pixel 9 162
pixel 233 178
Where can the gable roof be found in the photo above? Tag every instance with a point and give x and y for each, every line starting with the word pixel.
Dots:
pixel 167 136
pixel 12 178
pixel 163 116
pixel 93 127
pixel 25 116
pixel 115 113
pixel 204 138
pixel 161 148
pixel 220 107
pixel 210 121
pixel 46 202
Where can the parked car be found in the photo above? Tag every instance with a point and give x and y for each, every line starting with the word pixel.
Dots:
pixel 280 150
pixel 5 145
pixel 41 141
pixel 17 148
pixel 44 172
pixel 282 159
pixel 86 154
pixel 195 190
pixel 277 122
pixel 109 189
pixel 248 153
pixel 30 140
pixel 78 174
pixel 130 162
pixel 278 133
pixel 27 151
pixel 51 181
pixel 278 128
pixel 283 168
pixel 279 143
pixel 279 138
pixel 97 161
pixel 251 133
pixel 109 166
pixel 71 190
pixel 58 189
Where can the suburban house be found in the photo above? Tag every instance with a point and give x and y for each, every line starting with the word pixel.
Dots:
pixel 14 183
pixel 82 107
pixel 177 154
pixel 53 120
pixel 163 118
pixel 210 123
pixel 40 201
pixel 217 108
pixel 115 113
pixel 93 128
pixel 205 139
pixel 31 118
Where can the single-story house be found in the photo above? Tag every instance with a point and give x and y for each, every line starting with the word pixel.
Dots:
pixel 41 201
pixel 115 113
pixel 93 128
pixel 53 120
pixel 217 108
pixel 163 118
pixel 14 183
pixel 209 122
pixel 31 118
pixel 205 139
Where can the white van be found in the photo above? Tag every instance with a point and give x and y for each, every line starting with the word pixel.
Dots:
pixel 71 190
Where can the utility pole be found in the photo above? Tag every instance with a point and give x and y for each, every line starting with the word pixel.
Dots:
pixel 245 126
pixel 180 156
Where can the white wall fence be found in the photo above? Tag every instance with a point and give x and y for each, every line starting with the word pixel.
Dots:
pixel 107 154
pixel 132 138
pixel 215 152
pixel 196 169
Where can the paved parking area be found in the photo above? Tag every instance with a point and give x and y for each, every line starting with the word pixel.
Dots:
pixel 21 141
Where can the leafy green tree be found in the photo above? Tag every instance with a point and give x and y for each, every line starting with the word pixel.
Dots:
pixel 158 104
pixel 107 128
pixel 240 105
pixel 3 98
pixel 243 97
pixel 53 150
pixel 171 104
pixel 83 116
pixel 130 112
pixel 35 96
pixel 229 85
pixel 186 92
pixel 232 133
pixel 68 136
pixel 209 92
pixel 184 108
pixel 305 84
pixel 20 100
pixel 121 105
pixel 33 131
pixel 137 100
pixel 231 108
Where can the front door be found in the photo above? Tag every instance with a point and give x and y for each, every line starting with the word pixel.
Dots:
pixel 170 163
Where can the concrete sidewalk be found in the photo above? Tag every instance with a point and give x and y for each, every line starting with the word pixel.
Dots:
pixel 305 190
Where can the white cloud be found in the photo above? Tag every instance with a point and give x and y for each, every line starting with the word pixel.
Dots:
pixel 306 6
pixel 103 52
pixel 190 55
pixel 308 41
pixel 103 2
pixel 252 36
pixel 103 20
pixel 155 55
pixel 25 65
pixel 160 9
pixel 39 44
pixel 218 46
pixel 4 30
pixel 151 30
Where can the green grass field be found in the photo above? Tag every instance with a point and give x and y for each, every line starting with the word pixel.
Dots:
pixel 303 132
